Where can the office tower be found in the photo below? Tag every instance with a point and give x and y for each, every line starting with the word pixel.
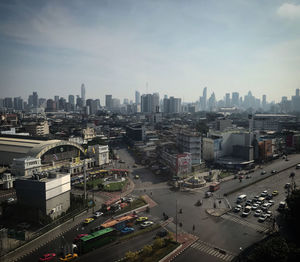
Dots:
pixel 264 102
pixel 78 101
pixel 235 99
pixel 108 101
pixel 212 102
pixel 83 95
pixel 35 99
pixel 125 101
pixel 155 103
pixel 297 92
pixel 171 105
pixel 62 103
pixel 137 97
pixel 30 100
pixel 18 103
pixel 8 102
pixel 296 102
pixel 71 100
pixel 51 105
pixel 1 102
pixel 204 98
pixel 146 103
pixel 42 102
pixel 227 100
pixel 115 103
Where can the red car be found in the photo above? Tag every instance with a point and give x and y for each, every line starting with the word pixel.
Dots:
pixel 79 236
pixel 47 257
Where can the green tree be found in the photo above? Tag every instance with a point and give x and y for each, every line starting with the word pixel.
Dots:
pixel 293 211
pixel 158 243
pixel 132 256
pixel 147 250
pixel 274 249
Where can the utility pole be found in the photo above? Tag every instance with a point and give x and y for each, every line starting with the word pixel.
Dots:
pixel 84 170
pixel 176 220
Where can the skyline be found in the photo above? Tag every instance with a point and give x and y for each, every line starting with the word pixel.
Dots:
pixel 169 47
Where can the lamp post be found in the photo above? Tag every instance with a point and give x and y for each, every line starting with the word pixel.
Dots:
pixel 176 220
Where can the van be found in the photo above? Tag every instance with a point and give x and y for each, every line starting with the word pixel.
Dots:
pixel 241 198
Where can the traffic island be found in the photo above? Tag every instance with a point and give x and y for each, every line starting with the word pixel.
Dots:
pixel 217 212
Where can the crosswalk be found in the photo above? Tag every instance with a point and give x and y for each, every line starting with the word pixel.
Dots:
pixel 213 251
pixel 244 222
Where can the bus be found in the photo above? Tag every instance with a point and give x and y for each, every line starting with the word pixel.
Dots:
pixel 96 240
pixel 214 187
pixel 119 223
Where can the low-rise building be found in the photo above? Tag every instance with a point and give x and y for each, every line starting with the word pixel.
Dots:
pixel 40 128
pixel 48 193
pixel 100 153
pixel 25 166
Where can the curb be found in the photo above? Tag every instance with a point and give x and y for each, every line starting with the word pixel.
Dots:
pixel 215 213
pixel 170 254
pixel 256 181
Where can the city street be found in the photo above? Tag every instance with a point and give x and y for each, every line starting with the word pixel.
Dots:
pixel 229 232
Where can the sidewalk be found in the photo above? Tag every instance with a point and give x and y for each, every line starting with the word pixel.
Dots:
pixel 37 243
pixel 185 240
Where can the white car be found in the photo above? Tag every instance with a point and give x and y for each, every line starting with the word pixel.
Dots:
pixel 147 224
pixel 98 214
pixel 265 206
pixel 269 213
pixel 247 211
pixel 262 218
pixel 264 193
pixel 255 206
pixel 238 208
pixel 257 213
pixel 271 202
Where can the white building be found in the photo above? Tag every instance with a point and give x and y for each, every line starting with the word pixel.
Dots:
pixel 25 166
pixel 50 194
pixel 190 142
pixel 100 154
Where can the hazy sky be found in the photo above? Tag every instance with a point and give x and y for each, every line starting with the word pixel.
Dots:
pixel 177 46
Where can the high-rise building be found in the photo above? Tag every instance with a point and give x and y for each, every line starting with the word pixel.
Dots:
pixel 125 101
pixel 296 101
pixel 235 99
pixel 51 105
pixel 78 101
pixel 8 102
pixel 297 92
pixel 264 102
pixel 18 103
pixel 137 97
pixel 108 101
pixel 172 105
pixel 155 103
pixel 83 95
pixel 227 100
pixel 204 98
pixel 212 102
pixel 35 99
pixel 71 100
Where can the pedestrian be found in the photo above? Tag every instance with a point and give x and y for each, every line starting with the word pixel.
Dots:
pixel 193 227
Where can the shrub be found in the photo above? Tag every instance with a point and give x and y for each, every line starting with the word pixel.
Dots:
pixel 158 243
pixel 147 250
pixel 132 256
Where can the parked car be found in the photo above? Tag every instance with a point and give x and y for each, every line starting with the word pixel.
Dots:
pixel 262 218
pixel 237 208
pixel 269 213
pixel 262 172
pixel 274 171
pixel 10 200
pixel 48 257
pixel 298 166
pixel 136 176
pixel 264 193
pixel 127 230
pixel 129 200
pixel 265 206
pixel 271 202
pixel 247 211
pixel 88 220
pixel 98 214
pixel 255 206
pixel 141 219
pixel 257 213
pixel 134 165
pixel 147 224
pixel 269 197
pixel 274 193
pixel 69 257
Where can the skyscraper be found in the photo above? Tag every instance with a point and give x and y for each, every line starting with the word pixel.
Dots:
pixel 108 101
pixel 35 99
pixel 137 97
pixel 264 102
pixel 235 99
pixel 204 98
pixel 227 100
pixel 83 95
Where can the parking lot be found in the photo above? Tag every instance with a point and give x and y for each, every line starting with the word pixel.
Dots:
pixel 263 189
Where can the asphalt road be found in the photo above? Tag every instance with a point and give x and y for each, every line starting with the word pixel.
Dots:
pixel 225 233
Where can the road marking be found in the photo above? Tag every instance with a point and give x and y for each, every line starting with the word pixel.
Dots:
pixel 245 223
pixel 213 251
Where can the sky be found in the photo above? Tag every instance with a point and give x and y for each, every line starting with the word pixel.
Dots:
pixel 174 47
